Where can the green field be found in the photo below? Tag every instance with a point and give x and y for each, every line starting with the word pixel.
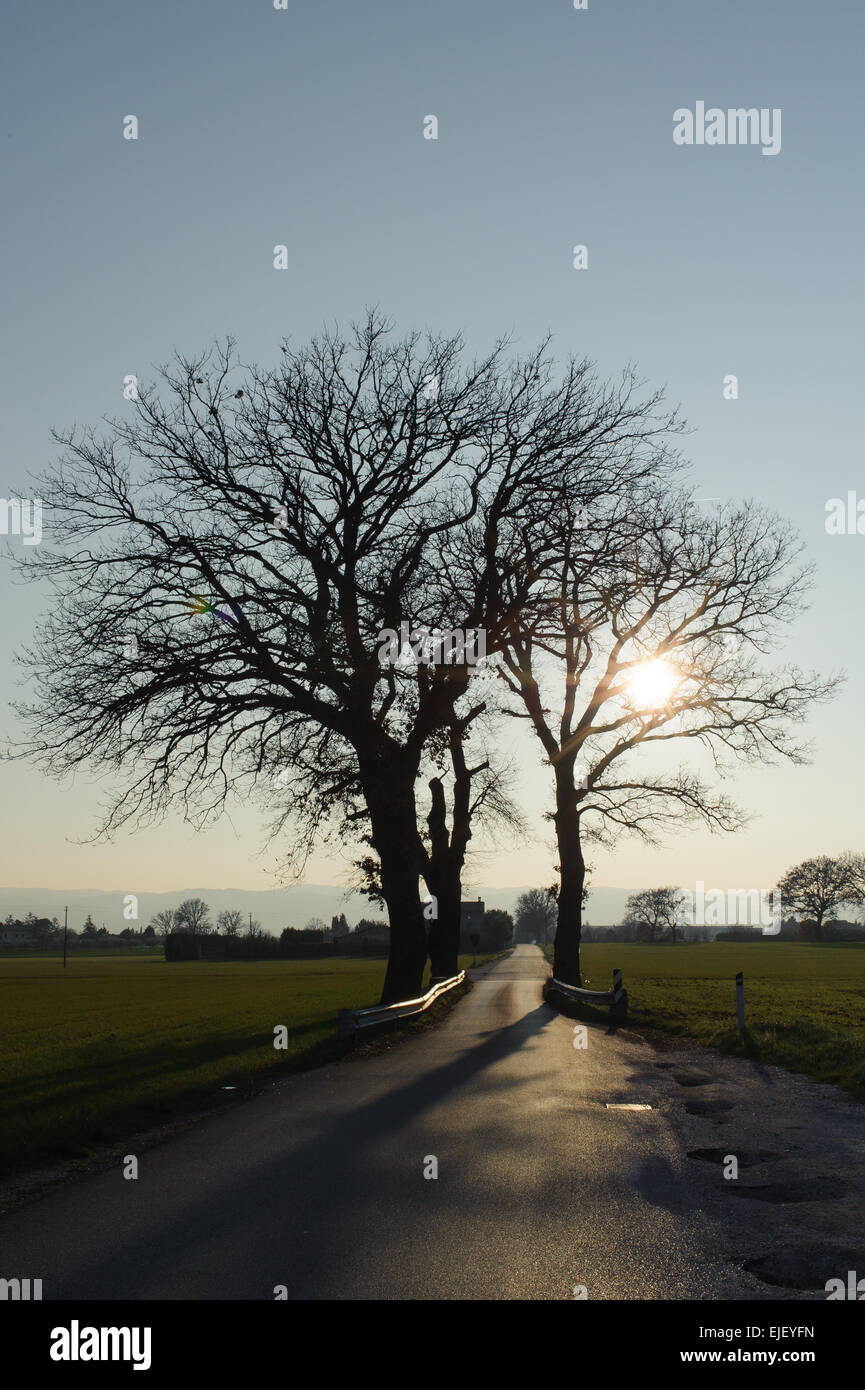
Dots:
pixel 804 1004
pixel 111 1045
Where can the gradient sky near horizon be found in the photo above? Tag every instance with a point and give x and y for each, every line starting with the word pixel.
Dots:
pixel 304 126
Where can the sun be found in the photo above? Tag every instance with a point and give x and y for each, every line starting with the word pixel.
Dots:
pixel 651 684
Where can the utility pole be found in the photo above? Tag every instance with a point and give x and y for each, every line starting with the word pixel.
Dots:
pixel 65 929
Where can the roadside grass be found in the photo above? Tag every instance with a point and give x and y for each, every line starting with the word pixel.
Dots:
pixel 85 953
pixel 804 1003
pixel 114 1045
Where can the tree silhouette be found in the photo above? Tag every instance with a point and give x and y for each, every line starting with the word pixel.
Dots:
pixel 193 916
pixel 536 914
pixel 259 545
pixel 656 909
pixel 229 922
pixel 163 922
pixel 818 887
pixel 653 619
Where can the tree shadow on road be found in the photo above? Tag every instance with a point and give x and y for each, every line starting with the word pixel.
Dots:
pixel 324 1180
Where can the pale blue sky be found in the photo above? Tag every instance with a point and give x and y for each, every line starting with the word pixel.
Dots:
pixel 305 127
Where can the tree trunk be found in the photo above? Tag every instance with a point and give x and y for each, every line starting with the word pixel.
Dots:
pixel 408 946
pixel 391 802
pixel 572 877
pixel 447 857
pixel 436 877
pixel 443 942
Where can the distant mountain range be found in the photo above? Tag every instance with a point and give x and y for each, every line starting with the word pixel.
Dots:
pixel 274 908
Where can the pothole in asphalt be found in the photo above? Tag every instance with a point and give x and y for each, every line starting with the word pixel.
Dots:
pixel 748 1159
pixel 691 1078
pixel 708 1107
pixel 803 1269
pixel 804 1190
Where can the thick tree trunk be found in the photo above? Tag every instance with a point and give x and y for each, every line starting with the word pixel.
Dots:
pixel 391 803
pixel 408 946
pixel 444 881
pixel 443 942
pixel 566 959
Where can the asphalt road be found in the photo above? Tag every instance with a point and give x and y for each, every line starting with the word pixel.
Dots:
pixel 318 1185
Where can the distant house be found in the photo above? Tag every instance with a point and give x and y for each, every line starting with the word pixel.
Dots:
pixel 471 921
pixel 16 934
pixel 34 931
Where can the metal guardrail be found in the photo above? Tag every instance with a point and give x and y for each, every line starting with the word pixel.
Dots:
pixel 615 997
pixel 350 1021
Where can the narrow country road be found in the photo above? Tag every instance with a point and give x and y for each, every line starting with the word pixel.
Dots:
pixel 319 1186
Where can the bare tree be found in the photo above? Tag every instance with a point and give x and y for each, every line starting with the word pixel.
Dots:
pixel 818 887
pixel 656 909
pixel 193 916
pixel 257 540
pixel 229 922
pixel 651 619
pixel 163 922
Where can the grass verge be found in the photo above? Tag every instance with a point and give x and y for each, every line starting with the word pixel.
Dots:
pixel 114 1046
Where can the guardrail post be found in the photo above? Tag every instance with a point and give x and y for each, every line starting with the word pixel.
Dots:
pixel 619 1003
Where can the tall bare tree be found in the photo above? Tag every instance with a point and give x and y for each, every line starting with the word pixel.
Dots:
pixel 650 625
pixel 230 555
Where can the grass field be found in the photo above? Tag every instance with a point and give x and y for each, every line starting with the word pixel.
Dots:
pixel 804 1004
pixel 111 1045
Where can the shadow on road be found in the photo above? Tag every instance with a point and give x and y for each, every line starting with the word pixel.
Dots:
pixel 325 1180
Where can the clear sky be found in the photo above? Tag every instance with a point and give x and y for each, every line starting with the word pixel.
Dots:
pixel 304 126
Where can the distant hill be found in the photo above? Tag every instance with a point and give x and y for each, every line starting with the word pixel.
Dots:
pixel 274 908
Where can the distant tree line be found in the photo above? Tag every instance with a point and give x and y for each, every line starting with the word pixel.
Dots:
pixel 306 943
pixel 812 893
pixel 188 934
pixel 42 931
pixel 46 934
